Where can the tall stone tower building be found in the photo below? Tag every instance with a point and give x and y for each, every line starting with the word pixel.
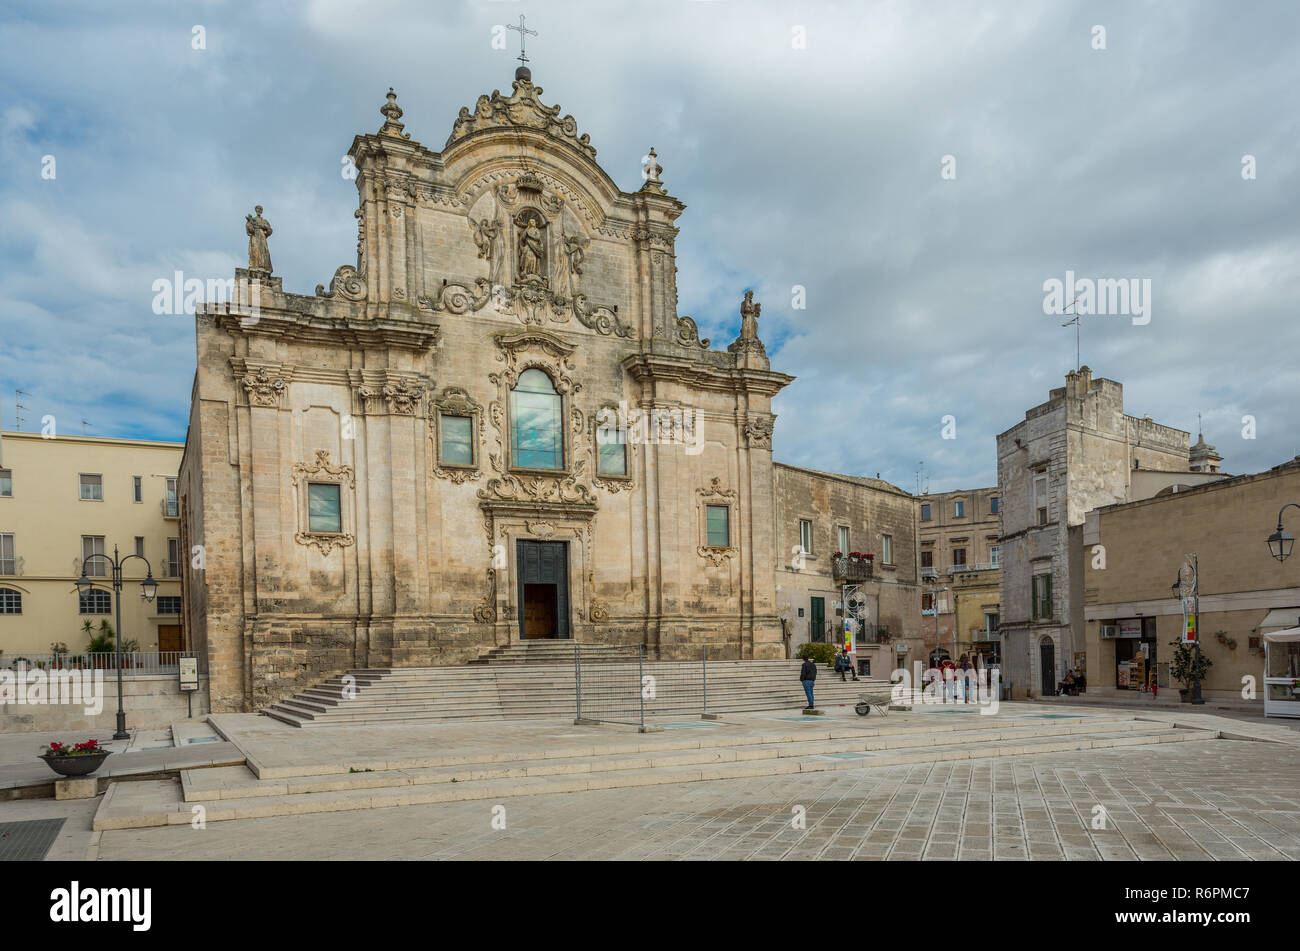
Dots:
pixel 494 426
pixel 1072 454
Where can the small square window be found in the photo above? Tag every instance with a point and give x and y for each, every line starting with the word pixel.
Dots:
pixel 169 604
pixel 718 526
pixel 6 483
pixel 95 601
pixel 324 508
pixel 457 440
pixel 92 488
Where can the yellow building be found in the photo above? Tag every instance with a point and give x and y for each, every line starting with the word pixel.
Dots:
pixel 1132 553
pixel 64 498
pixel 958 536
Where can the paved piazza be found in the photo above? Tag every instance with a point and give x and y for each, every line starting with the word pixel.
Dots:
pixel 1212 799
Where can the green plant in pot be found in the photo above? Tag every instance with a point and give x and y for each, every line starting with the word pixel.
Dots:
pixel 1184 669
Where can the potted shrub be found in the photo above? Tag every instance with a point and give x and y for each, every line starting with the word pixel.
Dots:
pixel 1183 668
pixel 80 759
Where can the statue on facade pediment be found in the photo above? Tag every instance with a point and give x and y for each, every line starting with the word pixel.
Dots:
pixel 487 235
pixel 258 229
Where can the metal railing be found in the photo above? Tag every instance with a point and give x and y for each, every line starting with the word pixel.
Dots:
pixel 618 685
pixel 853 570
pixel 142 663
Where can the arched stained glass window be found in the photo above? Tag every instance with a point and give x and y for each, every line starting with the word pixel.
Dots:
pixel 536 423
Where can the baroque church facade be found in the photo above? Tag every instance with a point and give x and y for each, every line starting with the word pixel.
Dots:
pixel 494 427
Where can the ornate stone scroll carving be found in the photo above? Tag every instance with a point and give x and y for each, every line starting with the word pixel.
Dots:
pixel 688 334
pixel 346 284
pixel 758 432
pixel 715 494
pixel 263 389
pixel 303 472
pixel 400 397
pixel 323 470
pixel 522 109
pixel 717 557
pixel 459 298
pixel 485 612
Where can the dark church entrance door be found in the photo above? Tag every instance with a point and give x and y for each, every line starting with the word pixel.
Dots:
pixel 543 573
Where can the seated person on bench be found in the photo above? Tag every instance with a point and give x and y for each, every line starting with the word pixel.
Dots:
pixel 1068 684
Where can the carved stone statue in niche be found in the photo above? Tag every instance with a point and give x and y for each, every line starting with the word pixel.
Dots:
pixel 530 257
pixel 487 235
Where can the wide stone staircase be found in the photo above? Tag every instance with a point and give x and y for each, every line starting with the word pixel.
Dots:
pixel 508 688
pixel 456 765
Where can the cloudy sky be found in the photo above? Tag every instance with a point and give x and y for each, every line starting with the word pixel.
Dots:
pixel 919 168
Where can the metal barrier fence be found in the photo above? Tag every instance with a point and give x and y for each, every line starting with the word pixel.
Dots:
pixel 132 662
pixel 619 685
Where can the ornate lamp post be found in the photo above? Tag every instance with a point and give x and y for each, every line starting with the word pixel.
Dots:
pixel 1280 543
pixel 1187 585
pixel 148 588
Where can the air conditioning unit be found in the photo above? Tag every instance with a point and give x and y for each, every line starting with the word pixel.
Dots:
pixel 1109 631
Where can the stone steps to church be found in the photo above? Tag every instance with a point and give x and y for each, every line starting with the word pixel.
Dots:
pixel 228 794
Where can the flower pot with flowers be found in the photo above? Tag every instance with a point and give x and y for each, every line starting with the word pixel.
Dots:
pixel 80 759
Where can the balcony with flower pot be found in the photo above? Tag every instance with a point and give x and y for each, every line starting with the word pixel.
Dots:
pixel 853 568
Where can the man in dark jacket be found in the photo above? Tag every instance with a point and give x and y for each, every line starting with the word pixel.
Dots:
pixel 808 674
pixel 844 663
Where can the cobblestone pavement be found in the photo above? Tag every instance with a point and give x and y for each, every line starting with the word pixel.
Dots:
pixel 1216 799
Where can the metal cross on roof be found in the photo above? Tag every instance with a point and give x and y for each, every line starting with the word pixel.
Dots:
pixel 524 33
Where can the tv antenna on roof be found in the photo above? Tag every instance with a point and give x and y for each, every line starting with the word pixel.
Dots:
pixel 18 409
pixel 1076 320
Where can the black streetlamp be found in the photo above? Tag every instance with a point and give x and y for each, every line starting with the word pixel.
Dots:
pixel 1181 590
pixel 148 588
pixel 1280 543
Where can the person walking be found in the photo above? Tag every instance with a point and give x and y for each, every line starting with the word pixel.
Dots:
pixel 965 679
pixel 807 676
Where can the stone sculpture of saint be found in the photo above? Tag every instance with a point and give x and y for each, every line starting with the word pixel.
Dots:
pixel 531 250
pixel 487 235
pixel 259 256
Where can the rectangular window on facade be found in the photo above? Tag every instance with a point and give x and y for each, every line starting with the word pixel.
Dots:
pixel 611 453
pixel 324 507
pixel 927 601
pixel 994 554
pixel 959 508
pixel 887 549
pixel 11 601
pixel 1040 498
pixel 8 561
pixel 173 558
pixel 718 526
pixel 990 622
pixel 92 488
pixel 93 545
pixel 457 444
pixel 139 545
pixel 6 483
pixel 925 512
pixel 169 604
pixel 1041 595
pixel 993 505
pixel 805 535
pixel 137 488
pixel 844 539
pixel 927 559
pixel 95 601
pixel 171 508
pixel 959 556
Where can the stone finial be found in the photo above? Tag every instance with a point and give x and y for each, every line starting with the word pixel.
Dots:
pixel 392 112
pixel 651 170
pixel 748 345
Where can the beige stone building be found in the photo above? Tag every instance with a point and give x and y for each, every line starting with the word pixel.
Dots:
pixel 1131 554
pixel 1076 452
pixel 66 497
pixel 820 515
pixel 958 536
pixel 493 426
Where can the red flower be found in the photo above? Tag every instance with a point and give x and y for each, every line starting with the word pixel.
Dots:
pixel 56 746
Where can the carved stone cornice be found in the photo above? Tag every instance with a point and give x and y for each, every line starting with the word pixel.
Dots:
pixel 357 333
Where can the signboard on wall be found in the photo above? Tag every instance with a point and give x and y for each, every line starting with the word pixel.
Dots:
pixel 1130 627
pixel 189 673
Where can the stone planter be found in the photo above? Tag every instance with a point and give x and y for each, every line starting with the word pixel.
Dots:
pixel 82 765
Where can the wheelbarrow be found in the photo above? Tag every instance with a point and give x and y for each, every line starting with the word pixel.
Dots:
pixel 878 701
